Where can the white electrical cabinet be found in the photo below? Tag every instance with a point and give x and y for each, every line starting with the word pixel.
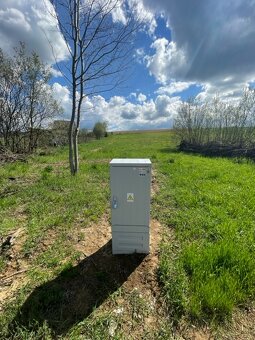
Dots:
pixel 130 181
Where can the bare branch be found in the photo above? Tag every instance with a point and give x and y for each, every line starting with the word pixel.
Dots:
pixel 99 49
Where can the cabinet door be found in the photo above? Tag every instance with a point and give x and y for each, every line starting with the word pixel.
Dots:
pixel 129 243
pixel 130 195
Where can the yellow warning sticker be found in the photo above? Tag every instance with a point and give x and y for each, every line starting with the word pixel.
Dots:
pixel 130 197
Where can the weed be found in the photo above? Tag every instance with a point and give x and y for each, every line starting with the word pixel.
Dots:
pixel 48 168
pixel 139 306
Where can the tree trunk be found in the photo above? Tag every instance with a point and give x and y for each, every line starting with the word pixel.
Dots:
pixel 30 143
pixel 71 148
pixel 76 155
pixel 72 132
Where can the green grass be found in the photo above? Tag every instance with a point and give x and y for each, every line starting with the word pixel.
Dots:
pixel 207 262
pixel 210 203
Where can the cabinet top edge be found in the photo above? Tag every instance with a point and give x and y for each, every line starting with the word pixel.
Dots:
pixel 130 161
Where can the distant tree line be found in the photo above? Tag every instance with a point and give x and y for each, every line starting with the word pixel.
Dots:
pixel 217 123
pixel 26 100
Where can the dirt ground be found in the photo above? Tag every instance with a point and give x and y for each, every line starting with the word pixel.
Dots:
pixel 141 279
pixel 97 275
pixel 9 157
pixel 15 272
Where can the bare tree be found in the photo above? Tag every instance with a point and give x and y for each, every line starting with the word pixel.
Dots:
pixel 26 99
pixel 39 103
pixel 10 98
pixel 218 122
pixel 99 49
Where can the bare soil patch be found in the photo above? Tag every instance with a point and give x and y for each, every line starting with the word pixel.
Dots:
pixel 9 157
pixel 154 183
pixel 14 274
pixel 241 326
pixel 6 156
pixel 141 284
pixel 91 282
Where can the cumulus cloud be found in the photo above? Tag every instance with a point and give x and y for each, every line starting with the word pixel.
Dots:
pixel 31 21
pixel 168 62
pixel 141 97
pixel 118 14
pixel 226 89
pixel 139 55
pixel 12 18
pixel 132 95
pixel 144 15
pixel 212 41
pixel 166 105
pixel 120 113
pixel 62 95
pixel 174 87
pixel 55 72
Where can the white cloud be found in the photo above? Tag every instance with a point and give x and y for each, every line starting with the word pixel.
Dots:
pixel 141 97
pixel 55 72
pixel 117 101
pixel 30 21
pixel 174 87
pixel 227 90
pixel 62 92
pixel 132 94
pixel 168 62
pixel 140 13
pixel 140 52
pixel 120 113
pixel 12 17
pixel 144 15
pixel 139 55
pixel 212 41
pixel 62 95
pixel 166 106
pixel 118 15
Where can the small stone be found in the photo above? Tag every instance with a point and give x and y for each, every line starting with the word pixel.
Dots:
pixel 118 311
pixel 112 328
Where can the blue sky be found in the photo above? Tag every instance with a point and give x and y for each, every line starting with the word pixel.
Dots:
pixel 186 48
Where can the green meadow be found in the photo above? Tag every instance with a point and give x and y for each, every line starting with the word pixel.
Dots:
pixel 205 205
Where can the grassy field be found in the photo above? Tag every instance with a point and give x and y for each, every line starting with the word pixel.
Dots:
pixel 207 206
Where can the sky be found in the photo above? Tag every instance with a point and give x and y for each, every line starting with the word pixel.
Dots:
pixel 186 48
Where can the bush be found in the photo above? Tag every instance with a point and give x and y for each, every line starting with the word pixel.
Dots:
pixel 217 121
pixel 99 130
